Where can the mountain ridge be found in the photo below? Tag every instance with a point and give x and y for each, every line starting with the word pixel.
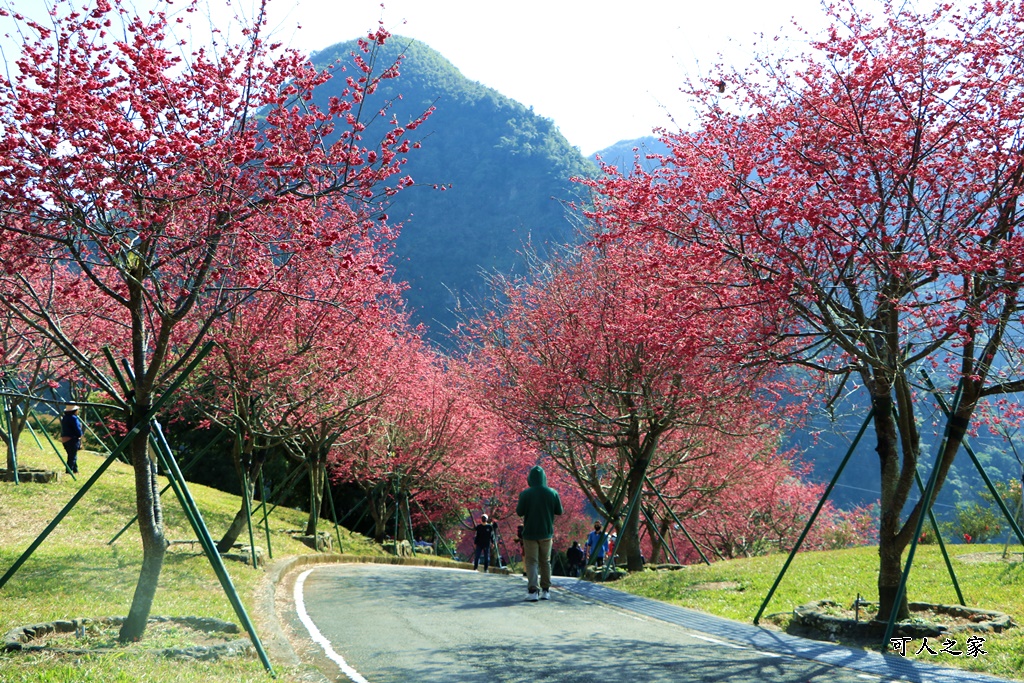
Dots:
pixel 506 173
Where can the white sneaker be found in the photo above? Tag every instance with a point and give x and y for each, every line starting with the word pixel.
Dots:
pixel 545 595
pixel 532 597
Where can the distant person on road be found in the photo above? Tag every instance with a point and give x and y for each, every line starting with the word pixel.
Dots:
pixel 71 432
pixel 538 505
pixel 597 545
pixel 575 557
pixel 483 541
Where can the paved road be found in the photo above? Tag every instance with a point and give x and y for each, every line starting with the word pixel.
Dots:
pixel 385 623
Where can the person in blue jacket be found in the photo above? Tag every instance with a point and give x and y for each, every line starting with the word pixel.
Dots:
pixel 71 435
pixel 597 545
pixel 538 504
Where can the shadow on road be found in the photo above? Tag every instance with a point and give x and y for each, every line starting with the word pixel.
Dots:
pixel 607 658
pixel 403 624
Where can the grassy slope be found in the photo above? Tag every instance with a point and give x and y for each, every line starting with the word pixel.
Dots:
pixel 840 575
pixel 75 573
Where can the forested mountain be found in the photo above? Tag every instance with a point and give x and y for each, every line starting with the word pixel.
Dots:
pixel 506 173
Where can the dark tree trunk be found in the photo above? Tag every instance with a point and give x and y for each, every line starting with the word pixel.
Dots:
pixel 250 466
pixel 316 496
pixel 380 522
pixel 890 551
pixel 151 528
pixel 9 442
pixel 893 436
pixel 659 540
pixel 378 515
pixel 628 545
pixel 235 529
pixel 11 431
pixel 404 530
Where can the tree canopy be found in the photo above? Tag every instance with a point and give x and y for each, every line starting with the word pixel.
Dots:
pixel 874 183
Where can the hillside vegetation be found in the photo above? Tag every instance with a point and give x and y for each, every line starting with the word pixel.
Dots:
pixel 506 174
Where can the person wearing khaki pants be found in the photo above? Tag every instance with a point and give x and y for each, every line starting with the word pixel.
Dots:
pixel 538 505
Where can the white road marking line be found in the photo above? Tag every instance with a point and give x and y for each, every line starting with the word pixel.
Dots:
pixel 318 638
pixel 717 642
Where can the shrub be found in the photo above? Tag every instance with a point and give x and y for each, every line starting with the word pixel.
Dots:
pixel 981 521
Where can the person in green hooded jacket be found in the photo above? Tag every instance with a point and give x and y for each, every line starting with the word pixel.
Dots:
pixel 538 505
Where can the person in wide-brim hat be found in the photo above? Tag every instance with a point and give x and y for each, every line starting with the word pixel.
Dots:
pixel 71 431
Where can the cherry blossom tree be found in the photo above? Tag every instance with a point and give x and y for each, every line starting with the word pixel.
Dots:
pixel 428 440
pixel 754 503
pixel 876 182
pixel 352 376
pixel 295 366
pixel 607 355
pixel 174 183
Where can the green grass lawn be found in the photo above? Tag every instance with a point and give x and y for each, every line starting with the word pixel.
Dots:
pixel 76 573
pixel 737 588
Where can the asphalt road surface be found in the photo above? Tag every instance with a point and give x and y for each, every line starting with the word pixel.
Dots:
pixel 386 623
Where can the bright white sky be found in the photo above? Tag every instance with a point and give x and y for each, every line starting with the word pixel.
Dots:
pixel 603 71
